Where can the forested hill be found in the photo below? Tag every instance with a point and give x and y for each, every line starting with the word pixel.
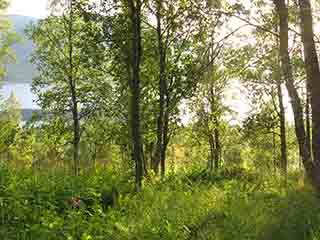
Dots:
pixel 22 71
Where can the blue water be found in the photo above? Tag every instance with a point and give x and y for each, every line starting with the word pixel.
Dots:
pixel 22 92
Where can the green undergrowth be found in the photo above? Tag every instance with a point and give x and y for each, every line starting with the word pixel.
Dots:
pixel 231 204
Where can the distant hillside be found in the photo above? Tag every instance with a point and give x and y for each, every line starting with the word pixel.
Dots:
pixel 22 71
pixel 28 113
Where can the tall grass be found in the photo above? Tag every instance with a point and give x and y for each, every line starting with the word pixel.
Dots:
pixel 233 204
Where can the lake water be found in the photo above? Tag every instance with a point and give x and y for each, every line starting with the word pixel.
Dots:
pixel 23 93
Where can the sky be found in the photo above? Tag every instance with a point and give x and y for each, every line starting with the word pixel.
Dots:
pixel 34 8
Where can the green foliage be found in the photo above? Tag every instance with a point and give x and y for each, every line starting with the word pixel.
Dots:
pixel 10 118
pixel 52 58
pixel 31 204
pixel 7 38
pixel 231 204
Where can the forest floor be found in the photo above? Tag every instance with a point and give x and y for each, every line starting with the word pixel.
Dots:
pixel 234 204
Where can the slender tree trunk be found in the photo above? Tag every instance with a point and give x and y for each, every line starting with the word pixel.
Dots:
pixel 165 140
pixel 308 125
pixel 283 138
pixel 282 12
pixel 76 135
pixel 160 151
pixel 135 17
pixel 72 86
pixel 274 151
pixel 211 142
pixel 144 161
pixel 215 132
pixel 217 160
pixel 313 78
pixel 212 151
